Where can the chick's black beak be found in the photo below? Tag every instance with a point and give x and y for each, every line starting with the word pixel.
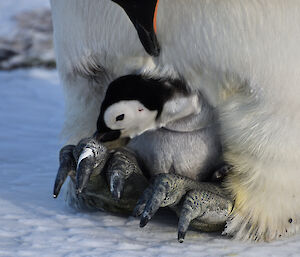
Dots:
pixel 104 133
pixel 107 136
pixel 142 14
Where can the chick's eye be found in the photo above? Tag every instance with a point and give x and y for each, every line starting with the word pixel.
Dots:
pixel 141 109
pixel 120 117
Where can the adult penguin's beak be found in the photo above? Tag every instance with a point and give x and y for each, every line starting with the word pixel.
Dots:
pixel 142 14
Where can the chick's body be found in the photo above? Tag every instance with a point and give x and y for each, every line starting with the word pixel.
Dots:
pixel 189 147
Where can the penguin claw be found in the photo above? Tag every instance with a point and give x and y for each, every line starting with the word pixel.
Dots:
pixel 204 205
pixel 121 166
pixel 167 190
pixel 181 236
pixel 141 203
pixel 144 220
pixel 206 209
pixel 67 167
pixel 83 174
pixel 91 158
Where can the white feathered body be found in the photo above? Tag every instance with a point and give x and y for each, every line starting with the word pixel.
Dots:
pixel 243 55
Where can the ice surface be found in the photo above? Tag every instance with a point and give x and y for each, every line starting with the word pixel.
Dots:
pixel 34 224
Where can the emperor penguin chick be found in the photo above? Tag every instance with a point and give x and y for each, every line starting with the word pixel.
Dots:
pixel 172 129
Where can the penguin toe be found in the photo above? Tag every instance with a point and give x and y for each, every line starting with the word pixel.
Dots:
pixel 166 190
pixel 91 157
pixel 205 209
pixel 67 167
pixel 121 166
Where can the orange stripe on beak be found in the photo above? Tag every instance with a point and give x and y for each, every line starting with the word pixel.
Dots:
pixel 155 15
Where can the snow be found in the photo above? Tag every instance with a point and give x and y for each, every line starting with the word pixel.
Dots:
pixel 32 223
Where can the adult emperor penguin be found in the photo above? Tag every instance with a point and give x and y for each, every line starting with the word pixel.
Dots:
pixel 241 54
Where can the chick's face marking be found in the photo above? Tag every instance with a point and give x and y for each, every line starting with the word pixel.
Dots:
pixel 134 104
pixel 130 117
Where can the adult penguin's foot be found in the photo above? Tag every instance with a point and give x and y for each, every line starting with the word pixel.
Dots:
pixel 122 165
pixel 206 209
pixel 80 162
pixel 206 206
